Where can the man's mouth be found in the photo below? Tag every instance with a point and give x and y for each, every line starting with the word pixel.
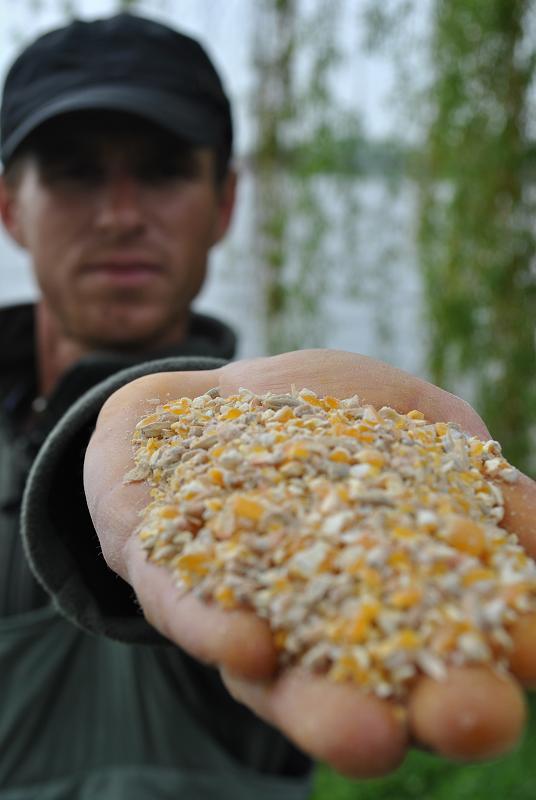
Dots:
pixel 126 271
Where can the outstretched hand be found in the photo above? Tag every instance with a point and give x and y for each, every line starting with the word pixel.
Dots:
pixel 473 714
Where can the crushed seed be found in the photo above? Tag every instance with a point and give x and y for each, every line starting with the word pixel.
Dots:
pixel 368 539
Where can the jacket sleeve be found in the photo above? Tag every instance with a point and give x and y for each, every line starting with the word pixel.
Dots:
pixel 58 534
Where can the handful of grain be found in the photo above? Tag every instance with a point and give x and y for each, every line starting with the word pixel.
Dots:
pixel 369 540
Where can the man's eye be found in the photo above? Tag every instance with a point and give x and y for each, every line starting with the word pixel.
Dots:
pixel 168 170
pixel 70 172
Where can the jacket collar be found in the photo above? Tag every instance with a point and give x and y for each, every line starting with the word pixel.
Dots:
pixel 207 336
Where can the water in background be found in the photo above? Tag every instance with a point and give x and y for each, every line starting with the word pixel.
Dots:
pixel 381 317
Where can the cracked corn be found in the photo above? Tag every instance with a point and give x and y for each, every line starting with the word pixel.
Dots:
pixel 369 540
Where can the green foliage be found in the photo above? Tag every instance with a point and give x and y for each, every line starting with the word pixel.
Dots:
pixel 477 232
pixel 347 151
pixel 382 21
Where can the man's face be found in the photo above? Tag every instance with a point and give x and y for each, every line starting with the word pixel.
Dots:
pixel 118 218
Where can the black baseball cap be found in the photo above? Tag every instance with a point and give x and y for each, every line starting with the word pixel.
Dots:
pixel 121 63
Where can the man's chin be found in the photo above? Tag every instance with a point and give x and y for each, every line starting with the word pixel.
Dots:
pixel 121 344
pixel 135 340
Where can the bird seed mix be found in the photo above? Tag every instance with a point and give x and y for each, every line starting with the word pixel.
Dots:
pixel 369 540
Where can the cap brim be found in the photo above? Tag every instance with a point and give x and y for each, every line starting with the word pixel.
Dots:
pixel 185 117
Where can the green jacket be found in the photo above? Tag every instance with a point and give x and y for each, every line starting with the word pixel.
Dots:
pixel 94 703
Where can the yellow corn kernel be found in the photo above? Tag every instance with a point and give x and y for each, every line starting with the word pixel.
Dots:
pixel 340 454
pixel 359 627
pixel 444 507
pixel 476 575
pixel 340 429
pixel 298 450
pixel 415 414
pixel 225 596
pixel 463 504
pixel 336 630
pixel 405 598
pixel 468 477
pixel 356 567
pixel 216 476
pixel 371 577
pixel 328 564
pixel 258 450
pixel 343 493
pixel 246 507
pixel 363 435
pixel 467 536
pixel 179 429
pixel 233 413
pixel 408 639
pixel 399 560
pixel 284 415
pixel 169 512
pixel 476 448
pixel 147 421
pixel 312 400
pixel 193 563
pixel 347 668
pixel 371 456
pixel 439 568
pixel 400 532
pixel 281 585
pixel 446 638
pixel 331 402
pixel 179 410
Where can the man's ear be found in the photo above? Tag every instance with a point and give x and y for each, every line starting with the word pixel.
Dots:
pixel 9 210
pixel 227 197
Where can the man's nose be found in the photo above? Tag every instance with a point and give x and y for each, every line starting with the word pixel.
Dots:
pixel 120 203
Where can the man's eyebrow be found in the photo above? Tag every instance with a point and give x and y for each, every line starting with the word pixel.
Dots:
pixel 64 145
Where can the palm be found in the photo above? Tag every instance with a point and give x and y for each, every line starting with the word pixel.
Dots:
pixel 473 714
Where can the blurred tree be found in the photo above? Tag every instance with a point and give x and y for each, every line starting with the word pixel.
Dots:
pixel 302 136
pixel 129 5
pixel 477 236
pixel 274 50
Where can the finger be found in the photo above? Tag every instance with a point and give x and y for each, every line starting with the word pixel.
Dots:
pixel 235 638
pixel 114 506
pixel 474 714
pixel 523 656
pixel 358 734
pixel 520 511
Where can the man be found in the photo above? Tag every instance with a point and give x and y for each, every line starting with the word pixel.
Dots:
pixel 116 182
pixel 116 142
